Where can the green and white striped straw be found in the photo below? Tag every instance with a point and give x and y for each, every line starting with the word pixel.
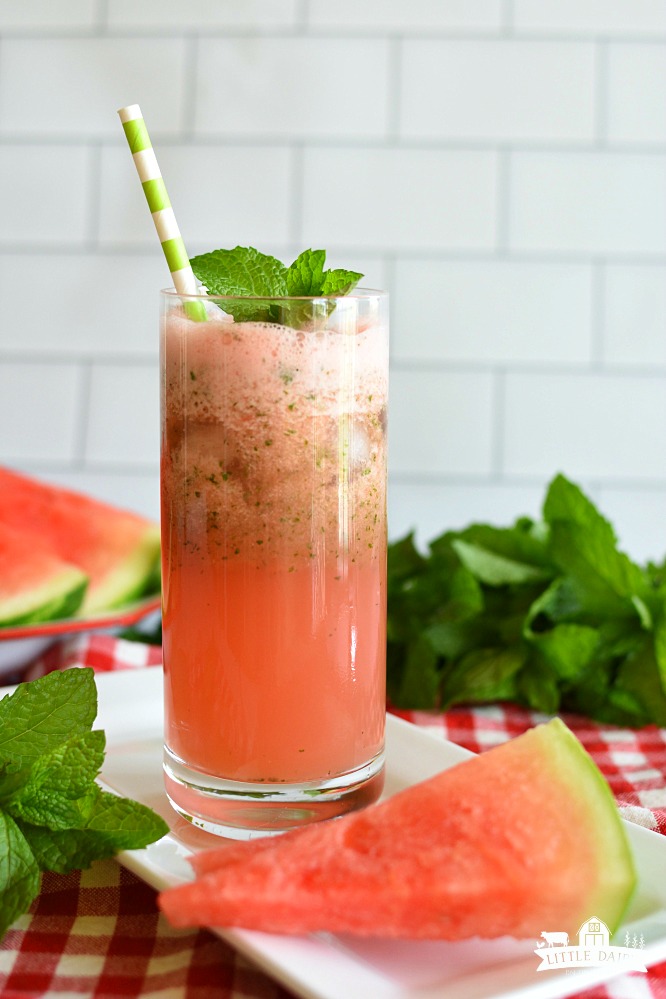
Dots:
pixel 159 204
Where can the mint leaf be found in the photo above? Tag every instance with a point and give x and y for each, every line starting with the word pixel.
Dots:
pixel 496 570
pixel 53 816
pixel 339 282
pixel 43 714
pixel 482 675
pixel 19 873
pixel 565 501
pixel 638 691
pixel 420 677
pixel 305 276
pixel 538 687
pixel 57 792
pixel 559 602
pixel 406 560
pixel 244 272
pixel 583 544
pixel 660 650
pixel 524 542
pixel 63 850
pixel 567 648
pixel 241 271
pixel 109 825
pixel 124 824
pixel 549 614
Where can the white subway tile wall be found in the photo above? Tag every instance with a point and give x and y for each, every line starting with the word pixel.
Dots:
pixel 159 14
pixel 498 165
pixel 304 87
pixel 44 194
pixel 635 310
pixel 637 94
pixel 123 422
pixel 520 91
pixel 492 311
pixel 222 195
pixel 399 199
pixel 604 203
pixel 593 425
pixel 44 15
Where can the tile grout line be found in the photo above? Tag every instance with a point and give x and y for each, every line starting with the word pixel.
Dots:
pixel 80 439
pixel 498 425
pixel 601 82
pixel 513 480
pixel 508 18
pixel 394 89
pixel 445 254
pixel 534 368
pixel 296 195
pixel 598 317
pixel 94 200
pixel 142 470
pixel 349 143
pixel 302 16
pixel 48 357
pixel 146 360
pixel 190 62
pixel 503 214
pixel 101 21
pixel 345 33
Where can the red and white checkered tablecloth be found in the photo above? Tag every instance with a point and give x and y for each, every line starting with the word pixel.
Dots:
pixel 98 933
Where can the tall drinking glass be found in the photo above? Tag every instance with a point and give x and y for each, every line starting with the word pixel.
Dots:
pixel 273 490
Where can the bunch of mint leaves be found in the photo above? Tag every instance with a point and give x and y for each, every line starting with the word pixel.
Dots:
pixel 53 816
pixel 246 273
pixel 548 614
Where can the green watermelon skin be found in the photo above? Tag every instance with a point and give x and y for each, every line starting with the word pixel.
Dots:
pixel 117 550
pixel 521 838
pixel 35 585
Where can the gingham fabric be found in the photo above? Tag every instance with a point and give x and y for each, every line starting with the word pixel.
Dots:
pixel 97 933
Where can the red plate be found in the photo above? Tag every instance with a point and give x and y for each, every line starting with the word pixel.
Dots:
pixel 123 617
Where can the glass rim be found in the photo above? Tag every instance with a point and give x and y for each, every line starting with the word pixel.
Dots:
pixel 360 294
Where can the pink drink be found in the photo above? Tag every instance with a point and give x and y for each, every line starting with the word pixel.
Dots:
pixel 274 561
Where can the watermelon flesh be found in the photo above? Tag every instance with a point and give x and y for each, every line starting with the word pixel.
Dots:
pixel 522 838
pixel 117 550
pixel 35 585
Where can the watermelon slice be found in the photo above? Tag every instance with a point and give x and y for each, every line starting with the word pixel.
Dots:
pixel 522 838
pixel 118 551
pixel 35 585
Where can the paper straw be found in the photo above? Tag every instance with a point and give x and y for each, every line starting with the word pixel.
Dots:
pixel 159 204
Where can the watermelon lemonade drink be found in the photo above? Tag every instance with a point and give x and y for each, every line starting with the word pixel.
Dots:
pixel 274 557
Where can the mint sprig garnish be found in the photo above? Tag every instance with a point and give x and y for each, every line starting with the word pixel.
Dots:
pixel 53 815
pixel 549 614
pixel 246 273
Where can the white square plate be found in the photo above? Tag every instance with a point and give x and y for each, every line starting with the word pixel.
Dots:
pixel 328 967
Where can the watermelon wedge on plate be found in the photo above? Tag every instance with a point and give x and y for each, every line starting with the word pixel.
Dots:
pixel 35 584
pixel 116 550
pixel 522 838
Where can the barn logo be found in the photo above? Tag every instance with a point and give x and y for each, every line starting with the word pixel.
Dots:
pixel 593 950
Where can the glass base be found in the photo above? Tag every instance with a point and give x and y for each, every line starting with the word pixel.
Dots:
pixel 239 810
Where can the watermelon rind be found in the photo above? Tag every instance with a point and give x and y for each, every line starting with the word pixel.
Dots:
pixel 135 576
pixel 572 763
pixel 59 596
pixel 116 549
